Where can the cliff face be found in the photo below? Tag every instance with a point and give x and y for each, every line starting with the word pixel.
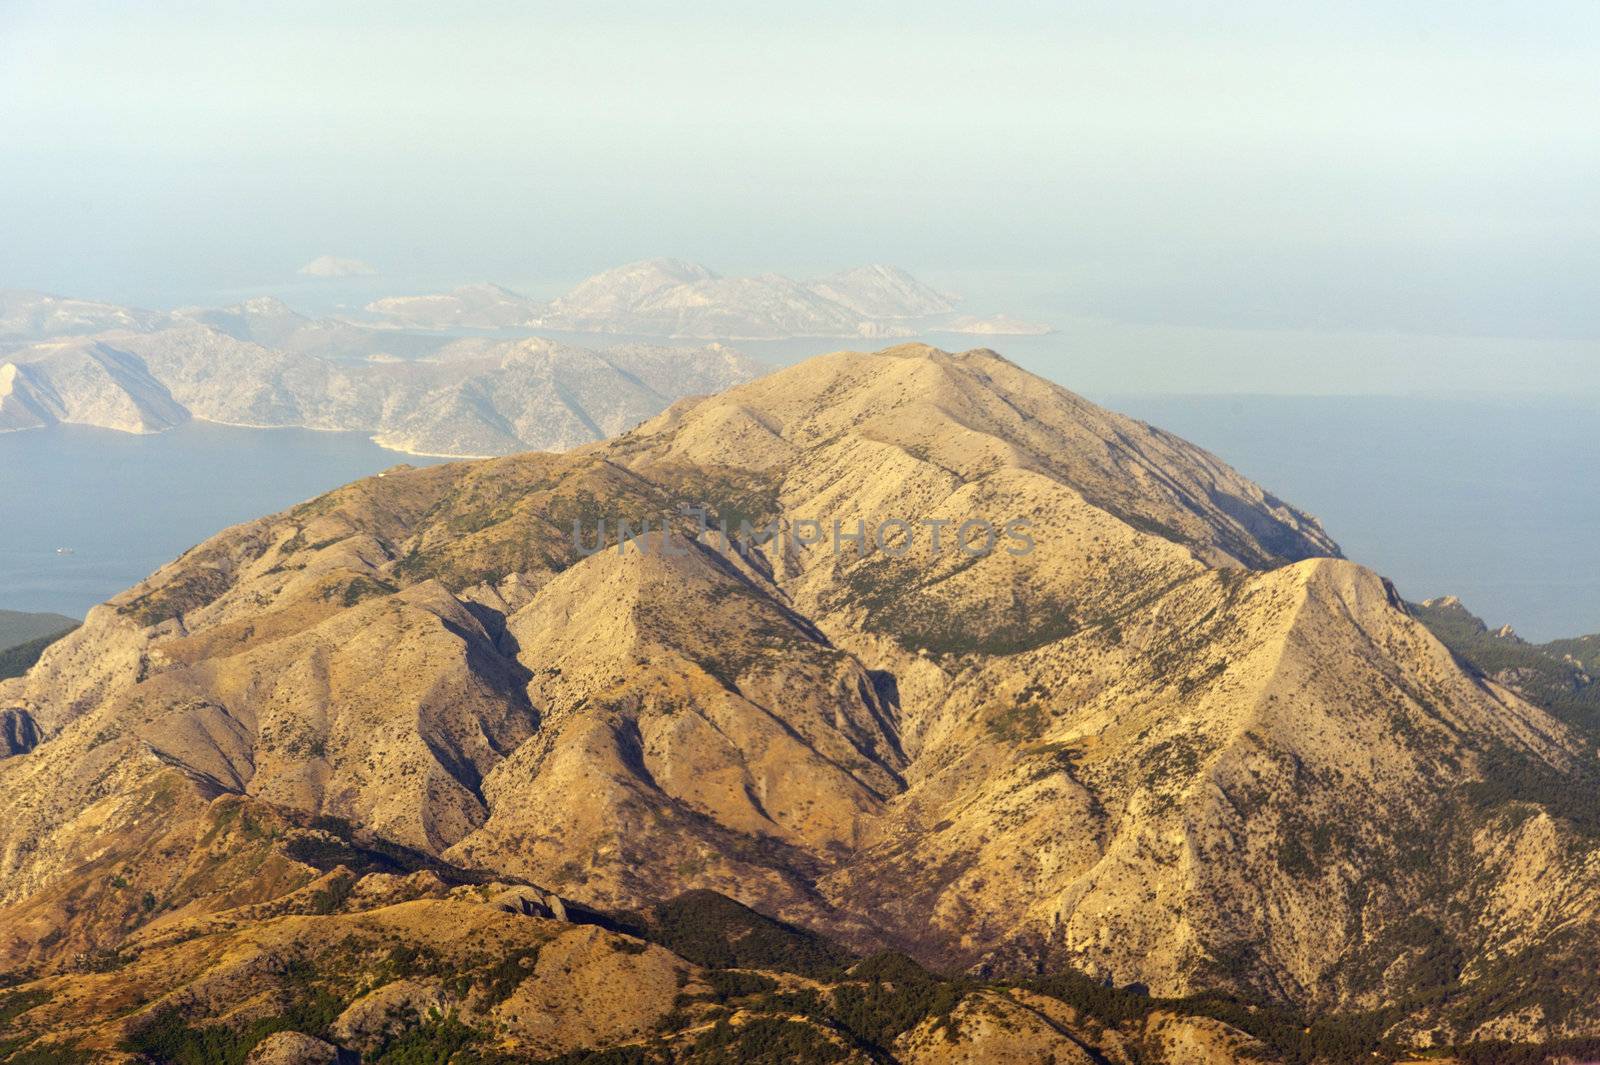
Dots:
pixel 87 382
pixel 1179 742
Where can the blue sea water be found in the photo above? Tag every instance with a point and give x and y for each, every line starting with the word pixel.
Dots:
pixel 1496 501
pixel 124 505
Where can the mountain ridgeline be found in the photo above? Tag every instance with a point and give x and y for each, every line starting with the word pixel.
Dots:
pixel 1179 784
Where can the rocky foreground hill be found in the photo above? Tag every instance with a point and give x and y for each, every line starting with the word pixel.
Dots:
pixel 411 770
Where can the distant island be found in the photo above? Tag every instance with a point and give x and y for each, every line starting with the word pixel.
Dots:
pixel 999 325
pixel 334 266
pixel 683 300
pixel 457 374
pixel 261 364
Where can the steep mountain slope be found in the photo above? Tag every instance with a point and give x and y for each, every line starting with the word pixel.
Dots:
pixel 610 294
pixel 879 291
pixel 87 382
pixel 1177 743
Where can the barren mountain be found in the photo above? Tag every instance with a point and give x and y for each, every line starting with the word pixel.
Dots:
pixel 879 291
pixel 260 364
pixel 614 293
pixel 84 381
pixel 1160 785
pixel 737 307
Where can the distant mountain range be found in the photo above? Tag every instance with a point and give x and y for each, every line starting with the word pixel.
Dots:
pixel 262 364
pixel 673 298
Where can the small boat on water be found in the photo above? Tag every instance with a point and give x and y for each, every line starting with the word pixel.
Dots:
pixel 65 551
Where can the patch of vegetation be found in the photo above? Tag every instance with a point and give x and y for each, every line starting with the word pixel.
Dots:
pixel 332 898
pixel 902 603
pixel 727 984
pixel 17 1003
pixel 1555 980
pixel 170 1039
pixel 715 931
pixel 437 1040
pixel 765 1041
pixel 506 975
pixel 1016 724
pixel 339 842
pixel 1512 777
pixel 729 496
pixel 1560 1052
pixel 1299 1040
pixel 895 996
pixel 18 659
pixel 194 586
pixel 361 588
pixel 623 1055
pixel 1562 676
pixel 53 1054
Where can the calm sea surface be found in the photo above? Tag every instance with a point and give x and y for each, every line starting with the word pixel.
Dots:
pixel 124 505
pixel 1497 502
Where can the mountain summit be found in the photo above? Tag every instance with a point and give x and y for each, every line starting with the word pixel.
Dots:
pixel 1176 742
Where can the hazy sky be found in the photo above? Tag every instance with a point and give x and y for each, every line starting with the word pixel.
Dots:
pixel 1375 168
